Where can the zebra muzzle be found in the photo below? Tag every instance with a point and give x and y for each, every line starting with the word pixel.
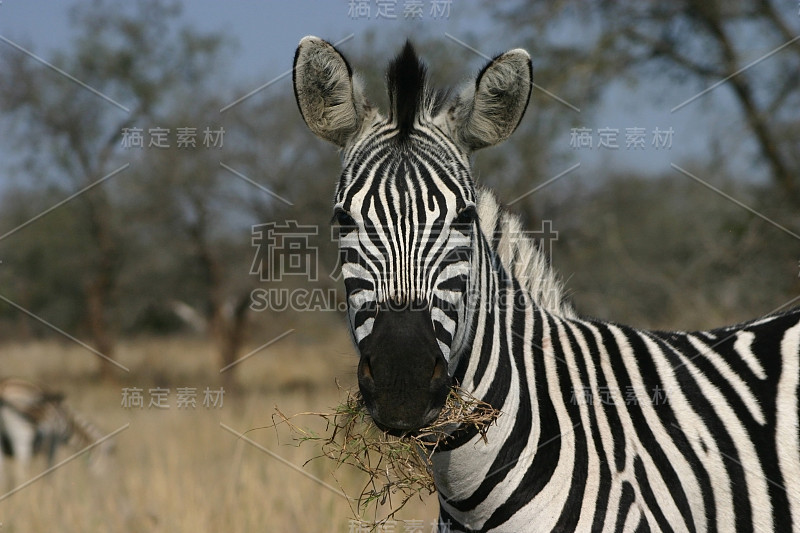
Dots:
pixel 402 373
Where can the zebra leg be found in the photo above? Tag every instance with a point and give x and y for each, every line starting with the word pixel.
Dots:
pixel 49 445
pixel 23 454
pixel 21 434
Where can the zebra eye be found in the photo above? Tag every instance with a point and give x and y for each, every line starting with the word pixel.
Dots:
pixel 343 219
pixel 468 215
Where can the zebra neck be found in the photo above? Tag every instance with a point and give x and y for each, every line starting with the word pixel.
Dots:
pixel 511 278
pixel 505 364
pixel 499 370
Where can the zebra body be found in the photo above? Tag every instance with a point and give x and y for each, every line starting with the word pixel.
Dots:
pixel 34 421
pixel 442 290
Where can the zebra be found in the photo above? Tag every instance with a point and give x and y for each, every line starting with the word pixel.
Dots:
pixel 441 291
pixel 33 421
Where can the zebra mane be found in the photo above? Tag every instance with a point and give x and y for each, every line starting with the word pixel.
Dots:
pixel 409 94
pixel 521 257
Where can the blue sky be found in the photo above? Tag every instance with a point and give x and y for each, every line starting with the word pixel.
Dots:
pixel 267 34
pixel 267 31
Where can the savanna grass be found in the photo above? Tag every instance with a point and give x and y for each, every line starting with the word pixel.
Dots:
pixel 398 468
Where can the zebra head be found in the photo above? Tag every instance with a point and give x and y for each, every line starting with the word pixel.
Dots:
pixel 406 207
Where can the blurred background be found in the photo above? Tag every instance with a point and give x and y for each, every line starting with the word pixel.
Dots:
pixel 164 217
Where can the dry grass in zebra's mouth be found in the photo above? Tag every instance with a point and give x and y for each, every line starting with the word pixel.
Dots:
pixel 397 466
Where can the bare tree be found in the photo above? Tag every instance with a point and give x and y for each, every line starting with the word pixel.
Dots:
pixel 201 205
pixel 71 115
pixel 748 47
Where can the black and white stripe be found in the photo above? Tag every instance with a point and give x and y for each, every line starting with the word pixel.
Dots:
pixel 394 246
pixel 719 452
pixel 34 421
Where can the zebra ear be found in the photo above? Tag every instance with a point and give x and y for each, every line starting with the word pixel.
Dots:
pixel 489 112
pixel 332 106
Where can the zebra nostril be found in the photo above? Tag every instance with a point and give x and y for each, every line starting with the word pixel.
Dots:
pixel 365 370
pixel 439 371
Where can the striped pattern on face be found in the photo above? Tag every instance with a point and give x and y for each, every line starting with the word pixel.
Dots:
pixel 401 239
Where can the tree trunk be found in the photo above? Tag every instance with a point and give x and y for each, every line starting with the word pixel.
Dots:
pixel 102 280
pixel 227 325
pixel 230 337
pixel 756 119
pixel 96 304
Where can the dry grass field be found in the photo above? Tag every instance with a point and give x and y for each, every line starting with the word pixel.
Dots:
pixel 177 469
